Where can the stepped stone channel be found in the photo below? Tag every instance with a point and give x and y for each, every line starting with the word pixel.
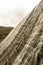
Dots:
pixel 24 44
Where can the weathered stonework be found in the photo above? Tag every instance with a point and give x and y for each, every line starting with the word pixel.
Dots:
pixel 24 45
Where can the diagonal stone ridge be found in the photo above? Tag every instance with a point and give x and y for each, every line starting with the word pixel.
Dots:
pixel 24 44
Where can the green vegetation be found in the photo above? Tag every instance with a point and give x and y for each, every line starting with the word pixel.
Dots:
pixel 4 31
